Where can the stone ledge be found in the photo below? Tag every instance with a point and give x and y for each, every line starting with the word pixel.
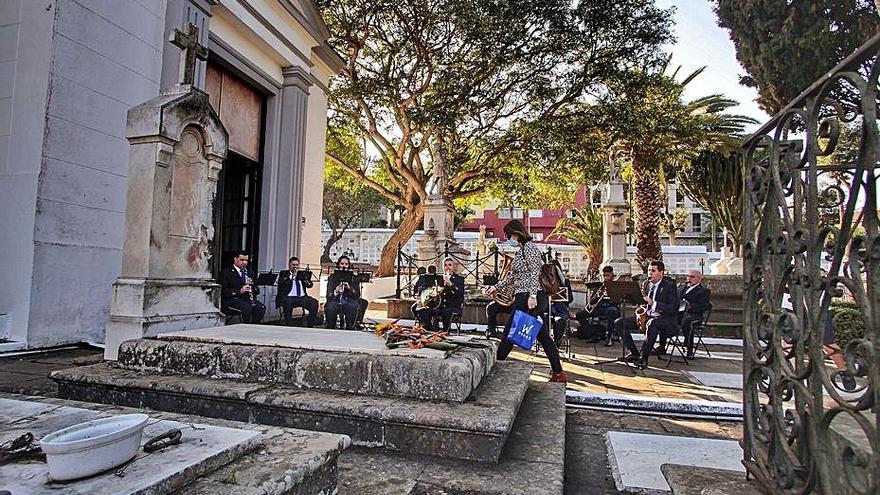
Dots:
pixel 475 430
pixel 450 379
pixel 289 461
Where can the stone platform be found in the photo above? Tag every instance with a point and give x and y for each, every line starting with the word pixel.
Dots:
pixel 475 429
pixel 310 458
pixel 303 358
pixel 203 449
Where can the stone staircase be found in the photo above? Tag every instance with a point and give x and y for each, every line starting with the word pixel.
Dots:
pixel 459 407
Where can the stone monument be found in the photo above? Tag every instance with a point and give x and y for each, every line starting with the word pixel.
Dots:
pixel 439 221
pixel 614 212
pixel 177 147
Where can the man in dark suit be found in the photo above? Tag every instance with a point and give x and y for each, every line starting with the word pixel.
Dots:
pixel 695 299
pixel 343 295
pixel 238 292
pixel 293 293
pixel 661 308
pixel 601 308
pixel 453 294
pixel 425 315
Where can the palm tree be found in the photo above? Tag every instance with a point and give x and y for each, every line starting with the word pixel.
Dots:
pixel 660 129
pixel 585 228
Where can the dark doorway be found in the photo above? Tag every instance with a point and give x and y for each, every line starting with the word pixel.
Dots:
pixel 238 198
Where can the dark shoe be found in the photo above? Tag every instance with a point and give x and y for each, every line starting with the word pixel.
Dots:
pixel 848 381
pixel 691 355
pixel 633 358
pixel 610 341
pixel 658 352
pixel 642 364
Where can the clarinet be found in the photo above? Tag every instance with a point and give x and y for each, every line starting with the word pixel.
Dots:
pixel 250 282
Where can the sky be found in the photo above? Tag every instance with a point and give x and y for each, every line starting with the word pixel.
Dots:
pixel 701 42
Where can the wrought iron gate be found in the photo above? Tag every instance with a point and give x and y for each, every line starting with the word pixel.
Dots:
pixel 808 426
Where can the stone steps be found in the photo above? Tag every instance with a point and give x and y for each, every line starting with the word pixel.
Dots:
pixel 532 462
pixel 476 429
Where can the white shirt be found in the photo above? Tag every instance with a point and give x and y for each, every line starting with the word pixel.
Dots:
pixel 295 289
pixel 653 295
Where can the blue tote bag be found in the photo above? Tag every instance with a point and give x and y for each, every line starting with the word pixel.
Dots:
pixel 524 329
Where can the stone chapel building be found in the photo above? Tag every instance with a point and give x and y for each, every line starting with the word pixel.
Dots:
pixel 69 72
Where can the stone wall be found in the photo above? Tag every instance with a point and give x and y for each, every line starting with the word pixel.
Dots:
pixel 365 246
pixel 25 60
pixel 106 59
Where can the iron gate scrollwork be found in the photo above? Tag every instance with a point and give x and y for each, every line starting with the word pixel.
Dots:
pixel 808 426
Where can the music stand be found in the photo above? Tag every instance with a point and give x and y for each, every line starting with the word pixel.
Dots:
pixel 266 278
pixel 619 292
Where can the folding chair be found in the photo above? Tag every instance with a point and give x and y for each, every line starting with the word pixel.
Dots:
pixel 699 328
pixel 564 342
pixel 455 322
pixel 678 341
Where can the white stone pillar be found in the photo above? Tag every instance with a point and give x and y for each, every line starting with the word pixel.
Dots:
pixel 614 214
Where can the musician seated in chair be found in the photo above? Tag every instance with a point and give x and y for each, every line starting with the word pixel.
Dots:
pixel 237 290
pixel 599 306
pixel 453 294
pixel 428 298
pixel 694 298
pixel 661 312
pixel 293 286
pixel 343 295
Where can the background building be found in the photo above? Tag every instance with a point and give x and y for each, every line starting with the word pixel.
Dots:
pixel 69 72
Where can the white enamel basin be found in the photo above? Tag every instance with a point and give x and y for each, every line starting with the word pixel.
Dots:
pixel 94 446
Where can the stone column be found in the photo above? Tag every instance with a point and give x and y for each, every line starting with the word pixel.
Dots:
pixel 614 213
pixel 177 149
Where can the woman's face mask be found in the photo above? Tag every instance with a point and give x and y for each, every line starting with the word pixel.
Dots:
pixel 512 242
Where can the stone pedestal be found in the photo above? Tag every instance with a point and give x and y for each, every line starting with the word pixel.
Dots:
pixel 614 214
pixel 439 232
pixel 177 147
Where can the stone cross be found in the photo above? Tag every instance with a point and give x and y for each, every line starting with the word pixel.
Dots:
pixel 193 51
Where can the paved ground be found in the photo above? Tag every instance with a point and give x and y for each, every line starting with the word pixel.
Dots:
pixel 658 381
pixel 587 469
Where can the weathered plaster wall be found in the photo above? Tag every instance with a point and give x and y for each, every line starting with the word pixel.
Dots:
pixel 106 59
pixel 25 56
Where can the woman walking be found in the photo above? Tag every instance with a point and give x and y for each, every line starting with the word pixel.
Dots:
pixel 523 276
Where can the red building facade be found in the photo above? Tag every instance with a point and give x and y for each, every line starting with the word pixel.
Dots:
pixel 540 222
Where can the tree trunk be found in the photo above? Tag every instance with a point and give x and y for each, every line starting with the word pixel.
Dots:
pixel 648 204
pixel 334 237
pixel 408 225
pixel 670 227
